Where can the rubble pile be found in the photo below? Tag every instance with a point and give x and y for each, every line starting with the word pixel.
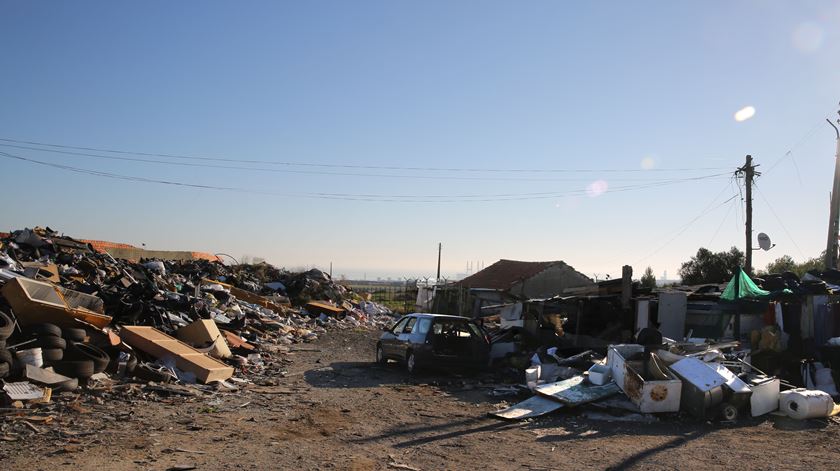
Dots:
pixel 71 315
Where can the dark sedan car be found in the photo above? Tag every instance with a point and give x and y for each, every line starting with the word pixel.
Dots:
pixel 434 341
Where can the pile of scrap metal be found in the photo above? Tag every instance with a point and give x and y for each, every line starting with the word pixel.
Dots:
pixel 71 313
pixel 705 381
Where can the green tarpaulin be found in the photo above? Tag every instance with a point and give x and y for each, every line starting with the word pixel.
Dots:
pixel 742 287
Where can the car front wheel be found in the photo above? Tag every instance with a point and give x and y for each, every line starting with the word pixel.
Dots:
pixel 380 355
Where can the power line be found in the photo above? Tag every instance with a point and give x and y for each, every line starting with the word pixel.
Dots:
pixel 352 197
pixel 353 166
pixel 725 217
pixel 773 211
pixel 306 172
pixel 684 228
pixel 802 140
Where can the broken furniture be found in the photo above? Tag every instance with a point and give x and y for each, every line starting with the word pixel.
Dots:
pixel 160 345
pixel 204 333
pixel 36 302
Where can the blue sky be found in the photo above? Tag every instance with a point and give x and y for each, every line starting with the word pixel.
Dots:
pixel 596 86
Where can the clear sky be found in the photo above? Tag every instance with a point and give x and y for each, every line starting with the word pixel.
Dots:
pixel 627 91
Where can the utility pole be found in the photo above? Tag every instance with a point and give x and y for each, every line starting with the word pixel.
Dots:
pixel 748 170
pixel 831 247
pixel 440 247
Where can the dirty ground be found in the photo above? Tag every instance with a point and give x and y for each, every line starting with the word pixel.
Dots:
pixel 335 409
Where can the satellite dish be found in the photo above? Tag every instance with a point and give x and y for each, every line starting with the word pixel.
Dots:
pixel 764 241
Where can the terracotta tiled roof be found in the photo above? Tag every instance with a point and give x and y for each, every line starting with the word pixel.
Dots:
pixel 101 245
pixel 204 256
pixel 505 273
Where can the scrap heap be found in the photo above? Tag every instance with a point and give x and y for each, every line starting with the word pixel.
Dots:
pixel 69 313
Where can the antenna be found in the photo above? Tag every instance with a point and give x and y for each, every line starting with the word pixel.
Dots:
pixel 764 242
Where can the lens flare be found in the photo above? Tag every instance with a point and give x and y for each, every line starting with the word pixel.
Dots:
pixel 597 188
pixel 744 113
pixel 808 37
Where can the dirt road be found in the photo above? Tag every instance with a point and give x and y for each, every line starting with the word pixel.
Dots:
pixel 335 409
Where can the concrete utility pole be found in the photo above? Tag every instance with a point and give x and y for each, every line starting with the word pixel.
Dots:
pixel 831 247
pixel 748 170
pixel 440 247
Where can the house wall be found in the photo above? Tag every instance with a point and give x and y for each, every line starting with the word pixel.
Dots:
pixel 550 282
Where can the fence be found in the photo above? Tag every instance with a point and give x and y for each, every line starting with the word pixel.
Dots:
pixel 398 296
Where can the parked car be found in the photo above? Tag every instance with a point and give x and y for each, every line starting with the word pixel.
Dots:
pixel 434 341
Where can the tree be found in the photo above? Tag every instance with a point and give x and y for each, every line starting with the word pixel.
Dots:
pixel 786 263
pixel 781 265
pixel 648 280
pixel 711 267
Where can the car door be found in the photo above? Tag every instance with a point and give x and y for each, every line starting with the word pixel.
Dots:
pixel 480 344
pixel 403 342
pixel 389 340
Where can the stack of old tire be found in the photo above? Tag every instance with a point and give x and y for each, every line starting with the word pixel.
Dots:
pixel 6 359
pixel 66 351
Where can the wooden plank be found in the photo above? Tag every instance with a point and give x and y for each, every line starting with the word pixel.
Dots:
pixel 160 345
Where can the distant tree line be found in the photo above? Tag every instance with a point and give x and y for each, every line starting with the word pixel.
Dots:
pixel 786 263
pixel 719 267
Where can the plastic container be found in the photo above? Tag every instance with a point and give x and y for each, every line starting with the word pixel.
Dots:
pixel 600 374
pixel 805 403
pixel 532 377
pixel 32 356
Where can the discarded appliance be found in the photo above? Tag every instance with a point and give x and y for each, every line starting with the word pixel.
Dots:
pixel 804 403
pixel 765 394
pixel 703 388
pixel 659 391
pixel 160 345
pixel 36 302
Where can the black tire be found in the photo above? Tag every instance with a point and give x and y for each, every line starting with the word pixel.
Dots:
pixel 74 335
pixel 380 355
pixel 6 356
pixel 86 351
pixel 81 369
pixel 2 344
pixel 40 330
pixel 4 369
pixel 51 355
pixel 728 412
pixel 145 373
pixel 70 385
pixel 411 363
pixel 49 341
pixel 114 364
pixel 7 326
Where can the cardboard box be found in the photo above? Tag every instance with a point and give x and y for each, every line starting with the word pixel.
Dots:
pixel 160 345
pixel 204 332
